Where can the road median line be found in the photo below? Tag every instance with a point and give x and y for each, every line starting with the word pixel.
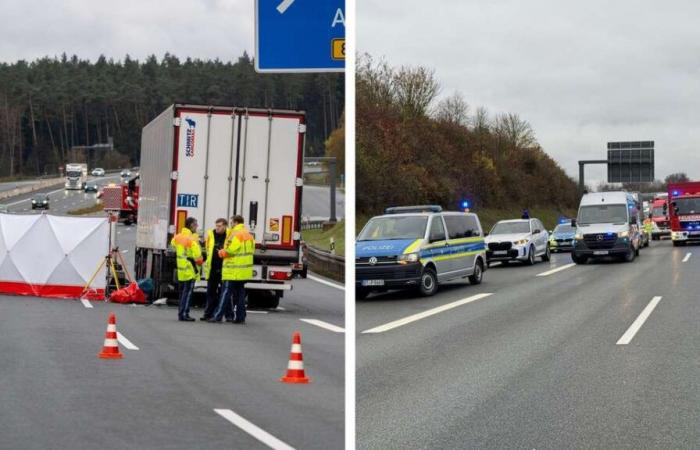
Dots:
pixel 639 321
pixel 558 269
pixel 687 257
pixel 325 325
pixel 125 342
pixel 424 314
pixel 327 283
pixel 253 430
pixel 86 303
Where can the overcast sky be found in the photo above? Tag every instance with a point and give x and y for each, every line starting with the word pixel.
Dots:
pixel 582 73
pixel 196 28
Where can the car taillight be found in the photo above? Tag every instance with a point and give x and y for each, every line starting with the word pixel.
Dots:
pixel 274 275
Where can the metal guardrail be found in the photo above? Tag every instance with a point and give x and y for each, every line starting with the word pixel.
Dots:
pixel 324 263
pixel 312 224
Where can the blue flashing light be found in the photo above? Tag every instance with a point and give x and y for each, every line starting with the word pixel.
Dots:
pixel 675 193
pixel 465 204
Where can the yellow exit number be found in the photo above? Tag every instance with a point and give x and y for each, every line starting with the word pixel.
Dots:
pixel 338 48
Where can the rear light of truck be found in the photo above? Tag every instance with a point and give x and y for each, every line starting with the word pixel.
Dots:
pixel 276 275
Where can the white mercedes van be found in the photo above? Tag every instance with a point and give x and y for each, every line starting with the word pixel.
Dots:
pixel 608 224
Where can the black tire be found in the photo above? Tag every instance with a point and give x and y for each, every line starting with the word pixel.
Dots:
pixel 629 256
pixel 636 252
pixel 578 259
pixel 547 255
pixel 428 282
pixel 488 263
pixel 263 299
pixel 361 293
pixel 531 256
pixel 478 274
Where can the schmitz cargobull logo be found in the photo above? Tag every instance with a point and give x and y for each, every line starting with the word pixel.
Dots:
pixel 189 137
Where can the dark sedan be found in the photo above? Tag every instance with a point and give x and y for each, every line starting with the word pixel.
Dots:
pixel 40 201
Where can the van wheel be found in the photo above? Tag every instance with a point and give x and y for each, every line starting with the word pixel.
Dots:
pixel 428 282
pixel 578 259
pixel 630 255
pixel 478 274
pixel 547 254
pixel 531 256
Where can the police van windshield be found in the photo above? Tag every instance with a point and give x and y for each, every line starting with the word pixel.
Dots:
pixel 688 205
pixel 564 228
pixel 399 227
pixel 511 228
pixel 615 214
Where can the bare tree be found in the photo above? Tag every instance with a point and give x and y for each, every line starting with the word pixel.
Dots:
pixel 374 81
pixel 453 109
pixel 415 89
pixel 480 120
pixel 515 131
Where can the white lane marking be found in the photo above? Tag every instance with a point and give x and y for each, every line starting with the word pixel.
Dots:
pixel 639 321
pixel 687 257
pixel 253 430
pixel 282 7
pixel 86 303
pixel 558 269
pixel 326 325
pixel 424 314
pixel 256 312
pixel 327 283
pixel 125 251
pixel 125 342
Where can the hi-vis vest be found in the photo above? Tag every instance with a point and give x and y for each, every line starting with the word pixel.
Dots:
pixel 210 250
pixel 648 225
pixel 186 246
pixel 238 265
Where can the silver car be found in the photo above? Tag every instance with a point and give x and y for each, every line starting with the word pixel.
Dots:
pixel 517 240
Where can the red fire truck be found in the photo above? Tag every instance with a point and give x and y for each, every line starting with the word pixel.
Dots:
pixel 122 198
pixel 684 212
pixel 659 215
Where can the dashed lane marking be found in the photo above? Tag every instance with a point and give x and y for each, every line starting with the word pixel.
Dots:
pixel 324 325
pixel 424 314
pixel 253 430
pixel 639 321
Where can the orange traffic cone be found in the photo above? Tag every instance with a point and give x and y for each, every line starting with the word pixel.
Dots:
pixel 110 350
pixel 295 369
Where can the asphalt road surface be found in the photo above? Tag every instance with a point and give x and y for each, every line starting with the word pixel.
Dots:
pixel 316 202
pixel 57 394
pixel 560 360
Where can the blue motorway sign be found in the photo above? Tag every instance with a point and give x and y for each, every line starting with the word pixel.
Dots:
pixel 300 35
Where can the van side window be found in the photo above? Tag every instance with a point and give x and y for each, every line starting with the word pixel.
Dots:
pixel 437 230
pixel 462 226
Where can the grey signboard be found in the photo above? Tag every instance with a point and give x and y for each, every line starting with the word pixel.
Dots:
pixel 631 162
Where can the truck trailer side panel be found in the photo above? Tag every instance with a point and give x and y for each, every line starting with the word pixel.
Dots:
pixel 155 184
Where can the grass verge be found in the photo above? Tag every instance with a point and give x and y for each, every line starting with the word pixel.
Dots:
pixel 87 210
pixel 321 239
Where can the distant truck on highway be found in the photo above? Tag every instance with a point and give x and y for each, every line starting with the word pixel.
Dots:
pixel 76 175
pixel 215 162
pixel 684 212
pixel 608 224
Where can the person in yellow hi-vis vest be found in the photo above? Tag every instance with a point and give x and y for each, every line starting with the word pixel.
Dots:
pixel 649 226
pixel 215 241
pixel 189 258
pixel 237 269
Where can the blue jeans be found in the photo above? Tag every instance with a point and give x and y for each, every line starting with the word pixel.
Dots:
pixel 186 288
pixel 232 293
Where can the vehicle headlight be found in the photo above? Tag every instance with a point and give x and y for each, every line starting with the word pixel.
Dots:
pixel 34 201
pixel 520 242
pixel 408 258
pixel 623 234
pixel 578 236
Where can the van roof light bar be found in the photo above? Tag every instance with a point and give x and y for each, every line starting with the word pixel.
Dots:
pixel 413 209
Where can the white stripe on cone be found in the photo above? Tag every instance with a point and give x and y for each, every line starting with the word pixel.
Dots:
pixel 296 365
pixel 112 327
pixel 296 348
pixel 111 343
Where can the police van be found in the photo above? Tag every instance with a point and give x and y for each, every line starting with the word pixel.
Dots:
pixel 418 247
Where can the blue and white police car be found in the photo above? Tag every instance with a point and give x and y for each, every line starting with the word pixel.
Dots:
pixel 418 247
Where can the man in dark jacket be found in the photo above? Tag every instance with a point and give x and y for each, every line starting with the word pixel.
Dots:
pixel 212 269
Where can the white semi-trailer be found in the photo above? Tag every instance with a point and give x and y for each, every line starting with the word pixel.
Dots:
pixel 214 162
